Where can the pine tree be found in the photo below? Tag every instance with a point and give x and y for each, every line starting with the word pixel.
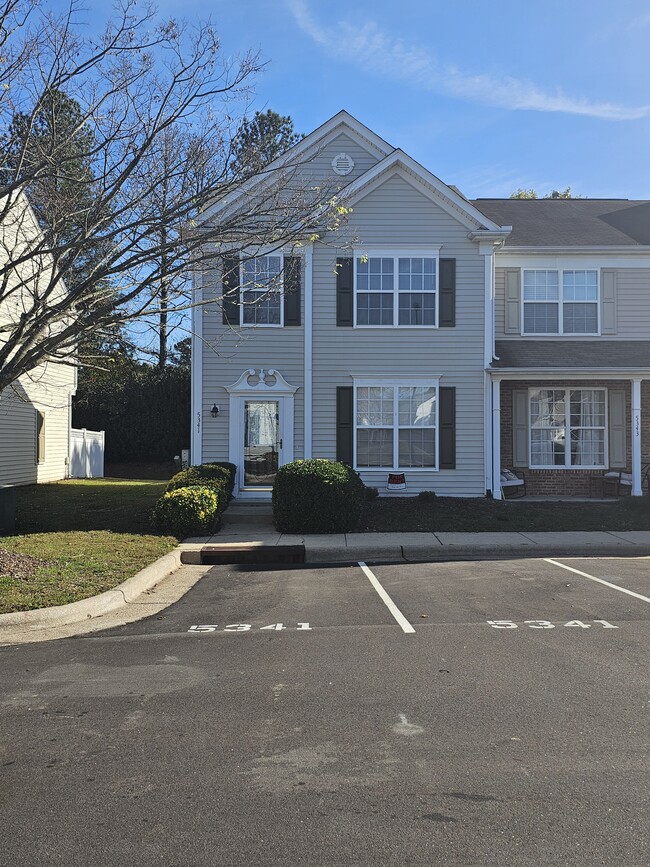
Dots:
pixel 262 139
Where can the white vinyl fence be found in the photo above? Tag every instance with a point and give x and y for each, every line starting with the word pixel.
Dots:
pixel 86 454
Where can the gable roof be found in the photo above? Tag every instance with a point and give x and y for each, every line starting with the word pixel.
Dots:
pixel 389 159
pixel 449 198
pixel 571 222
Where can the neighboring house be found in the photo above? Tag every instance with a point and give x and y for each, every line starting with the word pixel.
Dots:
pixel 35 411
pixel 431 336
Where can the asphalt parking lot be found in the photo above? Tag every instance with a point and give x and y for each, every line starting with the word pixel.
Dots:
pixel 488 713
pixel 547 594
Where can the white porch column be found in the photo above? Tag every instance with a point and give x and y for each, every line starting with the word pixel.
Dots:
pixel 198 311
pixel 636 438
pixel 496 439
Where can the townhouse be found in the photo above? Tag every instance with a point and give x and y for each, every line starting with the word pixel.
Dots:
pixel 429 340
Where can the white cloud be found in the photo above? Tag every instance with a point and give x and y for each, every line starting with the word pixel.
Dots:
pixel 391 57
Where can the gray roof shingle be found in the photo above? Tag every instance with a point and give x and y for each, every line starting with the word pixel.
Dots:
pixel 550 354
pixel 571 222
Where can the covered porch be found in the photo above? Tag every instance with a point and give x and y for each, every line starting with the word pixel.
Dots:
pixel 569 433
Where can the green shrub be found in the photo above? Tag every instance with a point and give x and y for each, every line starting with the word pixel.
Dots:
pixel 220 477
pixel 190 511
pixel 317 496
pixel 372 493
pixel 215 466
pixel 427 496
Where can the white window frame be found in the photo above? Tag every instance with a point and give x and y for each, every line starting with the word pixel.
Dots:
pixel 425 382
pixel 396 253
pixel 567 430
pixel 561 302
pixel 242 289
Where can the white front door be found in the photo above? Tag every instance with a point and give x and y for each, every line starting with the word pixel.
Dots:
pixel 261 429
pixel 261 452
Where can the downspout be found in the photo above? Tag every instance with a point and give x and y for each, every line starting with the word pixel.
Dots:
pixel 486 249
pixel 308 349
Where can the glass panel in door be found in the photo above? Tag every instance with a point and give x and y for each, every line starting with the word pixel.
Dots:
pixel 261 442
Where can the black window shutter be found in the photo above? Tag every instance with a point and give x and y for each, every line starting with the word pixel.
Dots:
pixel 292 290
pixel 230 287
pixel 344 293
pixel 447 434
pixel 447 304
pixel 344 426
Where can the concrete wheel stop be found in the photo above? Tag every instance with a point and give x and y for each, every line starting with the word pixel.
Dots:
pixel 247 554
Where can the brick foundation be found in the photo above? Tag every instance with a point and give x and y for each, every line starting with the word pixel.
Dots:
pixel 570 483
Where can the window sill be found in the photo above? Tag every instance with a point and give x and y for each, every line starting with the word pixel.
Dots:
pixel 564 334
pixel 399 327
pixel 591 468
pixel 397 469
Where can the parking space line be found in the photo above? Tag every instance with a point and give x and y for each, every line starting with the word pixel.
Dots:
pixel 388 602
pixel 599 580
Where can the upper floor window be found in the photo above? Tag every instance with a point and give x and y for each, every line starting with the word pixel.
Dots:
pixel 396 291
pixel 261 291
pixel 560 302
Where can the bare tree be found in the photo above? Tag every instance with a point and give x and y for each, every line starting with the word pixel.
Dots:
pixel 160 102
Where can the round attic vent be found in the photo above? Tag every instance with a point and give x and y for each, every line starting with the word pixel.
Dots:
pixel 343 164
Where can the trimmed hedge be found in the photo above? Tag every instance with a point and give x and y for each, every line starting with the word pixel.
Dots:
pixel 317 496
pixel 220 476
pixel 190 511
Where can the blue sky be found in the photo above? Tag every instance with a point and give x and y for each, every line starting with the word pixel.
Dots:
pixel 489 96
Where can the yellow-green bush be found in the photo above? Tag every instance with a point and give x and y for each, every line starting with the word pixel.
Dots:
pixel 190 511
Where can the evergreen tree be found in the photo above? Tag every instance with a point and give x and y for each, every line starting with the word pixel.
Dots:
pixel 51 148
pixel 262 139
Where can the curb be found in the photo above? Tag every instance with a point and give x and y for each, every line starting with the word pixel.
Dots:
pixel 419 554
pixel 95 606
pixel 255 553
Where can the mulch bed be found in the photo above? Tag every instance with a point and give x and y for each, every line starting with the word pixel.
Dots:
pixel 18 565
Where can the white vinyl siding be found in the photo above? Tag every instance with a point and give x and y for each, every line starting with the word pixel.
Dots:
pixel 624 302
pixel 48 391
pixel 227 352
pixel 395 216
pixel 568 428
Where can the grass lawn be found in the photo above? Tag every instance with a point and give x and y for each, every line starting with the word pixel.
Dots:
pixel 92 533
pixel 454 515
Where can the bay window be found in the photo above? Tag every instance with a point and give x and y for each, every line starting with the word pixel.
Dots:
pixel 396 290
pixel 568 427
pixel 560 302
pixel 396 426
